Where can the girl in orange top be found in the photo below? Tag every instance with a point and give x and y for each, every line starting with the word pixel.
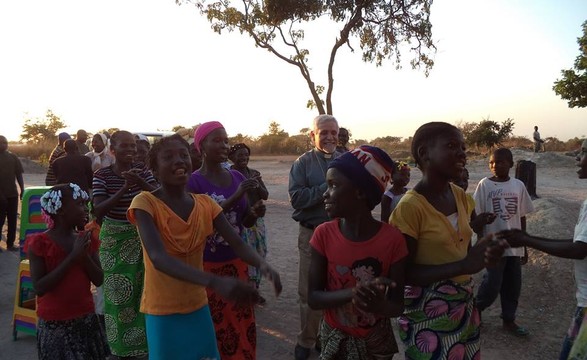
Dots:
pixel 173 225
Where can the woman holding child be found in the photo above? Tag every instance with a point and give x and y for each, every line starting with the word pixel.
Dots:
pixel 256 235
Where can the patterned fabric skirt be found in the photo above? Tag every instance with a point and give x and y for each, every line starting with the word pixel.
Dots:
pixel 256 237
pixel 440 321
pixel 378 345
pixel 122 261
pixel 76 339
pixel 575 343
pixel 235 327
pixel 182 336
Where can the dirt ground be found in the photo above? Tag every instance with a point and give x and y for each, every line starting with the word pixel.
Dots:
pixel 546 303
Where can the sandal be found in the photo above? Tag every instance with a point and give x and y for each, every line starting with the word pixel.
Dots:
pixel 516 329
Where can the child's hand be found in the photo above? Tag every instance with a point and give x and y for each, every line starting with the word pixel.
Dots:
pixel 371 296
pixel 481 220
pixel 487 217
pixel 258 209
pixel 249 184
pixel 514 237
pixel 273 276
pixel 494 251
pixel 235 290
pixel 486 253
pixel 82 245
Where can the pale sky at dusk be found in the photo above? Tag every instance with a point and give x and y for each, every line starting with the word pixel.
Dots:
pixel 150 64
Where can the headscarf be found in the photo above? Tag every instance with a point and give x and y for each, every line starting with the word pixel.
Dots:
pixel 62 137
pixel 204 130
pixel 236 147
pixel 369 168
pixel 141 137
pixel 97 156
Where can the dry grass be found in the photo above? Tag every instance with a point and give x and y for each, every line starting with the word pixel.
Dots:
pixel 39 152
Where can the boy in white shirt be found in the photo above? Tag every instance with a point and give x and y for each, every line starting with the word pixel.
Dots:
pixel 508 199
pixel 575 343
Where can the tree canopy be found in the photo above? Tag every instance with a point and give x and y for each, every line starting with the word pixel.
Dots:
pixel 487 133
pixel 573 84
pixel 379 28
pixel 39 130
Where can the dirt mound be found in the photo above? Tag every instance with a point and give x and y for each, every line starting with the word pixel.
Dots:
pixel 401 155
pixel 32 167
pixel 544 159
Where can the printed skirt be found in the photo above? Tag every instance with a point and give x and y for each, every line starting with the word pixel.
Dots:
pixel 234 324
pixel 440 321
pixel 378 345
pixel 75 339
pixel 122 261
pixel 575 343
pixel 256 237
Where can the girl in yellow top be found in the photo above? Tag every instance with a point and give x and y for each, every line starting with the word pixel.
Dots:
pixel 173 226
pixel 440 320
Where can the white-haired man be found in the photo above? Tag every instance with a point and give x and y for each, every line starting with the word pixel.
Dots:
pixel 307 184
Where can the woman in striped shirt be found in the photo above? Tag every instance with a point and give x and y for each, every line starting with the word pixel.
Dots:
pixel 114 187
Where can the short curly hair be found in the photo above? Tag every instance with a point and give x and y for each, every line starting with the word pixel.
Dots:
pixel 427 135
pixel 156 148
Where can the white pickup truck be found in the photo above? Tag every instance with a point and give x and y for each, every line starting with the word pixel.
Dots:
pixel 153 136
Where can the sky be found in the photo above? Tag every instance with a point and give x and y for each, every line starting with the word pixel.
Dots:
pixel 145 65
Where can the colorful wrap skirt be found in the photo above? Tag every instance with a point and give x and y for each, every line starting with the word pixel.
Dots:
pixel 440 321
pixel 75 339
pixel 234 324
pixel 256 237
pixel 378 345
pixel 182 336
pixel 575 343
pixel 122 261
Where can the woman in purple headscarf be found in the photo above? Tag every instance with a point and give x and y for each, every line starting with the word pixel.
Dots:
pixel 234 324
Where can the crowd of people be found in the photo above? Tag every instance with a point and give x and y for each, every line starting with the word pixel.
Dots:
pixel 173 239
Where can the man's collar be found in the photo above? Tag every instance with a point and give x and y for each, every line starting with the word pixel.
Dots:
pixel 323 154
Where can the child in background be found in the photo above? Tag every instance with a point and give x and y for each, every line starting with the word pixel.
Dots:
pixel 400 178
pixel 575 343
pixel 64 262
pixel 143 147
pixel 508 199
pixel 440 319
pixel 357 262
pixel 477 221
pixel 173 226
pixel 256 235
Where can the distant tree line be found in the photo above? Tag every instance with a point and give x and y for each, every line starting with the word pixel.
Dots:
pixel 41 137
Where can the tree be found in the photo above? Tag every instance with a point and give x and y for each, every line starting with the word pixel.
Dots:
pixel 573 85
pixel 272 142
pixel 109 131
pixel 489 133
pixel 240 138
pixel 387 143
pixel 40 130
pixel 379 27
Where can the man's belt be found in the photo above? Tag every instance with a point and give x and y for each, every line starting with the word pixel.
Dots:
pixel 307 225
